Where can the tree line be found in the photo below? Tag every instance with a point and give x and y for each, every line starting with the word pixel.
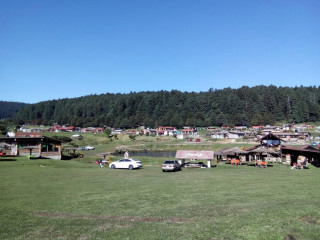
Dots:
pixel 9 109
pixel 227 107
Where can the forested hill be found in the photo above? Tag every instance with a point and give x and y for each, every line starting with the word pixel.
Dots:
pixel 8 109
pixel 243 106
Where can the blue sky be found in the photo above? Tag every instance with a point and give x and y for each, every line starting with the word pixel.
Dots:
pixel 65 49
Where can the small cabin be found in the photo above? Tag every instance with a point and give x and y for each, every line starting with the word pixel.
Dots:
pixel 31 145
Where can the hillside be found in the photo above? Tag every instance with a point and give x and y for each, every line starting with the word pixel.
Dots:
pixel 8 109
pixel 243 106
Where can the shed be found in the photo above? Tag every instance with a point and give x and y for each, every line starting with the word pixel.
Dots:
pixel 196 155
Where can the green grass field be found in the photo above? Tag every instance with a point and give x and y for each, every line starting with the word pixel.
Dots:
pixel 76 199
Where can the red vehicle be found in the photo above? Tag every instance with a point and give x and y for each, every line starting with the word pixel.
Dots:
pixel 198 140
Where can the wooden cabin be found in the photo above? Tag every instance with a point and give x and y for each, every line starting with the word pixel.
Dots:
pixel 31 145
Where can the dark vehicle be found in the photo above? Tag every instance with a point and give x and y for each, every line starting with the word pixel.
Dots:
pixel 171 165
pixel 194 165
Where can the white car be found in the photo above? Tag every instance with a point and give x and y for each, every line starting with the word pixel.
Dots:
pixel 89 148
pixel 128 163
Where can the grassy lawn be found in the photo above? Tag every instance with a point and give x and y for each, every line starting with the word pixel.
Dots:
pixel 152 143
pixel 76 199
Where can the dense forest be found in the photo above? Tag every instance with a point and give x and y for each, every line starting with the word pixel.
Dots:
pixel 243 106
pixel 9 109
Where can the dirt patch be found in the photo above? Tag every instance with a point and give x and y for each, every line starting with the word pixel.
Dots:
pixel 289 237
pixel 119 218
pixel 108 226
pixel 309 220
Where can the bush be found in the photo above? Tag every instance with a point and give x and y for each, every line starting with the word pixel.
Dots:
pixel 63 139
pixel 132 137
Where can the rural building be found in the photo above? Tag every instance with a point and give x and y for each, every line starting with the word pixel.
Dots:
pixel 149 131
pixel 169 131
pixel 270 146
pixel 183 155
pixel 294 136
pixel 257 128
pixel 23 144
pixel 92 130
pixel 219 135
pixel 240 128
pixel 236 134
pixel 188 133
pixel 312 154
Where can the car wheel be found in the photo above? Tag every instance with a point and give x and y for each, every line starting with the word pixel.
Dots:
pixel 163 170
pixel 113 166
pixel 130 167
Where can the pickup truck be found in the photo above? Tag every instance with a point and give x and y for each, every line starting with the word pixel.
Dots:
pixel 171 165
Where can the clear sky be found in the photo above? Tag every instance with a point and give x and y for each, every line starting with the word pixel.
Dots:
pixel 51 49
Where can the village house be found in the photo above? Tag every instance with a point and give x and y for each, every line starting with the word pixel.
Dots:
pixel 257 128
pixel 289 136
pixel 240 128
pixel 57 128
pixel 149 131
pixel 70 128
pixel 219 134
pixel 166 131
pixel 92 130
pixel 132 131
pixel 117 131
pixel 187 132
pixel 268 129
pixel 33 144
pixel 236 134
pixel 26 129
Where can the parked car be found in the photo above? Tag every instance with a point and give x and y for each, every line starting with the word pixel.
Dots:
pixel 171 165
pixel 198 140
pixel 128 163
pixel 87 148
pixel 194 165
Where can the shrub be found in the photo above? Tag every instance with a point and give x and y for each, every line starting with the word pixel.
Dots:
pixel 132 137
pixel 62 138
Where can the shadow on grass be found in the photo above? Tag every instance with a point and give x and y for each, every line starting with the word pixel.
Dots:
pixel 66 158
pixel 247 164
pixel 7 159
pixel 316 164
pixel 36 158
pixel 253 165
